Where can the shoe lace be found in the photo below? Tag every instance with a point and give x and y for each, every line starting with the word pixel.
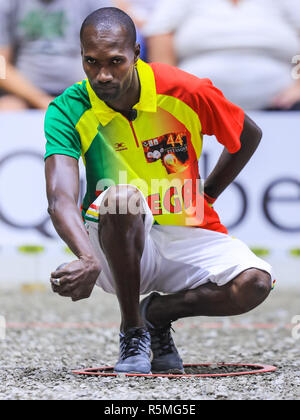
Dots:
pixel 161 340
pixel 133 342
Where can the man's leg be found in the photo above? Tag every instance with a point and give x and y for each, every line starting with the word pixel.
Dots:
pixel 240 295
pixel 122 238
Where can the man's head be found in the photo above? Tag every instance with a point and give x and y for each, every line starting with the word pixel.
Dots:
pixel 109 52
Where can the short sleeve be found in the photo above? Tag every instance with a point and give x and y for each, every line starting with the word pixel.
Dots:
pixel 220 117
pixel 61 135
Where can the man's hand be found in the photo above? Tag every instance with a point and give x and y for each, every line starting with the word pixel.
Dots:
pixel 77 279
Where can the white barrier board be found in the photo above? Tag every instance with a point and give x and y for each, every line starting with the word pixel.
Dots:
pixel 262 207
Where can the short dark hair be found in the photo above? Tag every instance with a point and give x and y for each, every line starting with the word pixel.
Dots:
pixel 108 17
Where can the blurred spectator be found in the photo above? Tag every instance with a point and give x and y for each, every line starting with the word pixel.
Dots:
pixel 140 12
pixel 245 47
pixel 40 41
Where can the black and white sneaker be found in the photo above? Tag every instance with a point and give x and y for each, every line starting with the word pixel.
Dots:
pixel 135 352
pixel 166 359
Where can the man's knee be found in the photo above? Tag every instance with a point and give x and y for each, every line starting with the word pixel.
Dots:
pixel 120 217
pixel 122 200
pixel 252 287
pixel 261 284
pixel 122 210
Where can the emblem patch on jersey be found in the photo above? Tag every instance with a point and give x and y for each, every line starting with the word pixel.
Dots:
pixel 120 146
pixel 171 149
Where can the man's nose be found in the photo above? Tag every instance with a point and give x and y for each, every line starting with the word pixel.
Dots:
pixel 104 76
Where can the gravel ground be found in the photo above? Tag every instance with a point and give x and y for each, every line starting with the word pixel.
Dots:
pixel 47 337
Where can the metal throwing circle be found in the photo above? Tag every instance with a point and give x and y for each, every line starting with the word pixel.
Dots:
pixel 194 370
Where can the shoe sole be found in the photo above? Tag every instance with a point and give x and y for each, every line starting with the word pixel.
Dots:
pixel 135 372
pixel 132 373
pixel 169 372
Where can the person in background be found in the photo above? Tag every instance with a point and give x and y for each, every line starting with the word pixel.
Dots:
pixel 140 11
pixel 39 43
pixel 246 47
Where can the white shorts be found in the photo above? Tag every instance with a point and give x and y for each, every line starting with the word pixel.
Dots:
pixel 179 258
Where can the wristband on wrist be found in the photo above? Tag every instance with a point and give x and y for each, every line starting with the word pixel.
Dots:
pixel 209 199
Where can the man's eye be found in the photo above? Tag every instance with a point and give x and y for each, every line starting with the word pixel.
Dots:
pixel 116 61
pixel 91 61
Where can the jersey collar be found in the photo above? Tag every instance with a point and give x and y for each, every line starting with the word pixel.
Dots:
pixel 147 102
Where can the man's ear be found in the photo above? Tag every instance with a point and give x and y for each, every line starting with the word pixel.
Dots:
pixel 137 52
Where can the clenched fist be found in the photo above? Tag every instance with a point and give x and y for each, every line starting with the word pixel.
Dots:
pixel 76 279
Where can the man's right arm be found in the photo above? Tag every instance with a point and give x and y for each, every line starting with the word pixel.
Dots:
pixel 62 181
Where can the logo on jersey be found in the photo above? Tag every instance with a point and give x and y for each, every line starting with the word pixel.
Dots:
pixel 171 149
pixel 119 147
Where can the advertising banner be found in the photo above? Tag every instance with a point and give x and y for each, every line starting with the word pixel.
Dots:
pixel 261 207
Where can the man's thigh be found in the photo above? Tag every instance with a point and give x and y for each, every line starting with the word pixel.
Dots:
pixel 192 257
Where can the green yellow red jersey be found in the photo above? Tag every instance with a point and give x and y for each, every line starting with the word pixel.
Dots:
pixel 158 151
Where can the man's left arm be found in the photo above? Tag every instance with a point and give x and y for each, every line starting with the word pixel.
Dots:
pixel 230 165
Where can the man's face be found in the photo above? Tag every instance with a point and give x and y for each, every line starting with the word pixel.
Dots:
pixel 108 61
